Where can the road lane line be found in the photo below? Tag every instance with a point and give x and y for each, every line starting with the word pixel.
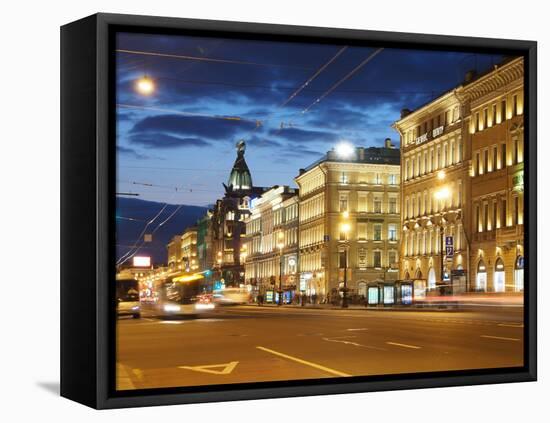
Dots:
pixel 511 325
pixel 397 344
pixel 357 329
pixel 355 344
pixel 500 337
pixel 307 363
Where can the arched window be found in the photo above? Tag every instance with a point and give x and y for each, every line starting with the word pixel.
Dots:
pixel 418 274
pixel 518 274
pixel 499 282
pixel 481 277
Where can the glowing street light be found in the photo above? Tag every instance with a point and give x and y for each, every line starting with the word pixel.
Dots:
pixel 441 175
pixel 144 86
pixel 442 193
pixel 345 150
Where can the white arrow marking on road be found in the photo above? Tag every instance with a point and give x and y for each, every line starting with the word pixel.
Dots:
pixel 227 368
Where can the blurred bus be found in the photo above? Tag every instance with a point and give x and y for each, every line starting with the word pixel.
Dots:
pixel 181 296
pixel 127 295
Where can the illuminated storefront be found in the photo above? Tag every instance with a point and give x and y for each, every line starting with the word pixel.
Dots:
pixel 481 277
pixel 500 276
pixel 518 274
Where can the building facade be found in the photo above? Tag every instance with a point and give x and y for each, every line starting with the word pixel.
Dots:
pixel 271 248
pixel 173 252
pixel 205 254
pixel 462 175
pixel 349 221
pixel 494 104
pixel 189 257
pixel 434 193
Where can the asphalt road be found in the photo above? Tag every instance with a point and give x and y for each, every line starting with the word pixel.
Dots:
pixel 251 344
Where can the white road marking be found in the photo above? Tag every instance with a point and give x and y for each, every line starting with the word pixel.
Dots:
pixel 227 368
pixel 511 325
pixel 172 322
pixel 357 329
pixel 500 337
pixel 307 363
pixel 355 344
pixel 397 344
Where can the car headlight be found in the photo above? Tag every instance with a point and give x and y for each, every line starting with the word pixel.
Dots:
pixel 203 306
pixel 135 308
pixel 171 307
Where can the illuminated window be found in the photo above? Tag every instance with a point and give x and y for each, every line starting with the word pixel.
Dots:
pixel 392 233
pixel 377 205
pixel 378 232
pixel 392 205
pixel 377 259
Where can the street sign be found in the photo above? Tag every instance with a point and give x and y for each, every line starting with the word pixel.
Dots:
pixel 448 241
pixel 449 251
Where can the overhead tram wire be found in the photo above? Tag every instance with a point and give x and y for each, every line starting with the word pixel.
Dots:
pixel 152 233
pixel 207 59
pixel 299 89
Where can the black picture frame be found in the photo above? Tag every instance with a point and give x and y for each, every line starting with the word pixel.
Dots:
pixel 87 205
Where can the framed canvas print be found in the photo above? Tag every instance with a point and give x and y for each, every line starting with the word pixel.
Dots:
pixel 256 211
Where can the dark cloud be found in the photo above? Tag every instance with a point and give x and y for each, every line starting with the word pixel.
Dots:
pixel 303 135
pixel 161 140
pixel 189 128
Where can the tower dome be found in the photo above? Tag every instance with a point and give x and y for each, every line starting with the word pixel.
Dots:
pixel 240 178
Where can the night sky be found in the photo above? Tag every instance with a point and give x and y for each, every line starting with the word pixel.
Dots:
pixel 184 134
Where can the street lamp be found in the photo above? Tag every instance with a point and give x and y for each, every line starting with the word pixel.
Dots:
pixel 280 246
pixel 144 85
pixel 442 194
pixel 345 150
pixel 345 228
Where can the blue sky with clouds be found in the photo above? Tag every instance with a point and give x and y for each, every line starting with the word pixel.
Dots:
pixel 184 134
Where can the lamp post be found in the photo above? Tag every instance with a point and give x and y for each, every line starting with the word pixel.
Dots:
pixel 280 246
pixel 345 228
pixel 442 194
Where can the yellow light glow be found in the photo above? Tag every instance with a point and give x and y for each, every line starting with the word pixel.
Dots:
pixel 441 175
pixel 145 85
pixel 442 193
pixel 345 214
pixel 188 278
pixel 345 227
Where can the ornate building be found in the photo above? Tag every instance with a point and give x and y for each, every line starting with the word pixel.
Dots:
pixel 434 192
pixel 228 217
pixel 271 248
pixel 494 106
pixel 349 219
pixel 462 185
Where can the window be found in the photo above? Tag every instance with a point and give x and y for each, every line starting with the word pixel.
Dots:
pixel 452 159
pixel 503 156
pixel 447 117
pixel 362 257
pixel 503 213
pixel 476 216
pixel 343 203
pixel 377 205
pixel 515 150
pixel 485 216
pixel 344 178
pixel 515 105
pixel 444 155
pixel 495 157
pixel 477 164
pixel 486 161
pixel 362 230
pixel 392 233
pixel 485 118
pixel 438 163
pixel 392 179
pixel 392 205
pixel 503 110
pixel 377 179
pixel 377 259
pixel 392 257
pixel 378 232
pixel 459 158
pixel 494 118
pixel 494 222
pixel 431 160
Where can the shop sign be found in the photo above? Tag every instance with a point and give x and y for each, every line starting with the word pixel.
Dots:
pixel 422 138
pixel 269 296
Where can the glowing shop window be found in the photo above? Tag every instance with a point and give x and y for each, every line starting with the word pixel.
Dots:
pixel 388 295
pixel 373 295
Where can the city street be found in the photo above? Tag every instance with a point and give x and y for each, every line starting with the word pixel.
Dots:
pixel 252 344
